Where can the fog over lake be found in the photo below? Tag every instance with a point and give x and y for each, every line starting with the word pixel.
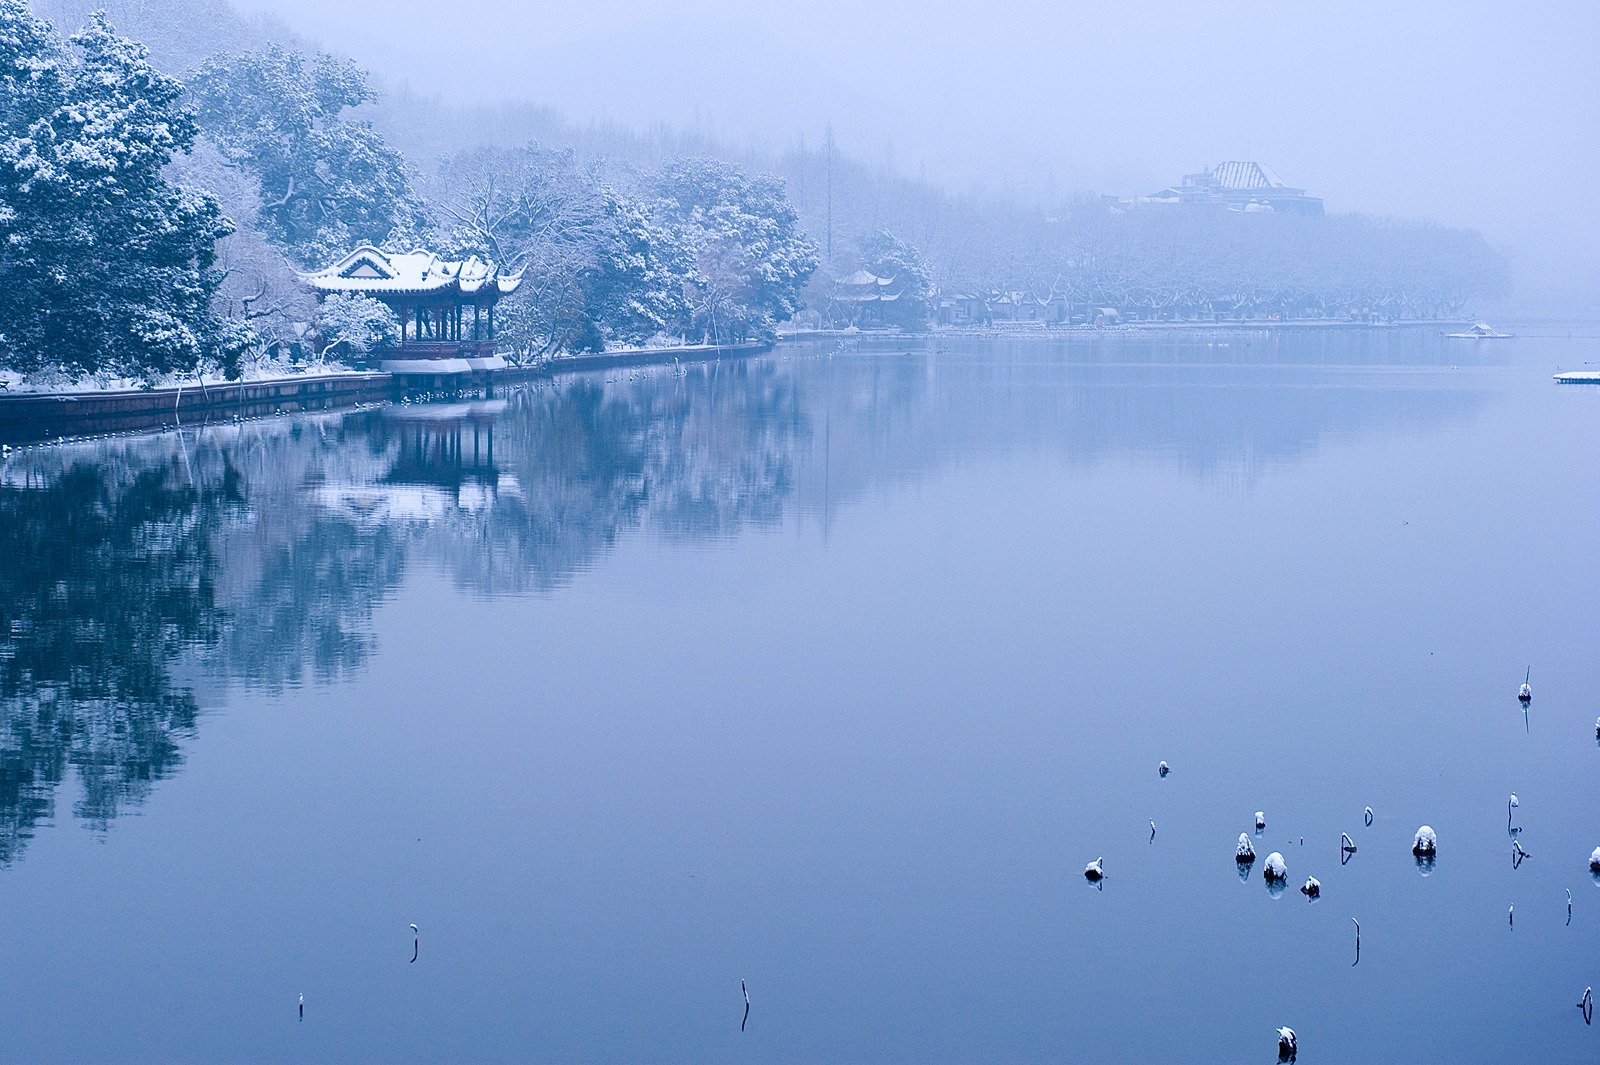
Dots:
pixel 1471 114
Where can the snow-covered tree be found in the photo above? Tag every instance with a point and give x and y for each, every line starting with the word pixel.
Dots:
pixel 596 268
pixel 749 258
pixel 360 323
pixel 104 265
pixel 327 183
pixel 259 286
pixel 885 255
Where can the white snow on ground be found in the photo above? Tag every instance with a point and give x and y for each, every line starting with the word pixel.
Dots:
pixel 13 383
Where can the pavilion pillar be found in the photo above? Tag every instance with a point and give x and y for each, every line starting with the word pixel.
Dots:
pixel 475 335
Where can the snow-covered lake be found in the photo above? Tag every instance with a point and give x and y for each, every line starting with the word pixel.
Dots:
pixel 828 672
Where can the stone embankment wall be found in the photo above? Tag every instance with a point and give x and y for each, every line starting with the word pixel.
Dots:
pixel 34 416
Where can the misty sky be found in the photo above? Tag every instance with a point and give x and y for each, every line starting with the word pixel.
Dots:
pixel 1472 114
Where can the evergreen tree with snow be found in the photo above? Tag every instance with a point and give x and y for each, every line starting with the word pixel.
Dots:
pixel 327 183
pixel 749 259
pixel 105 267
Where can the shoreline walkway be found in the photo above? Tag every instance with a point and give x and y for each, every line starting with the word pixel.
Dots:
pixel 33 417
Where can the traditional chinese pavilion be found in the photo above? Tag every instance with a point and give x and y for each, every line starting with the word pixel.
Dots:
pixel 431 297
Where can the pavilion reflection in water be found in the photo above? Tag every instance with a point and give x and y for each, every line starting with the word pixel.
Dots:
pixel 445 445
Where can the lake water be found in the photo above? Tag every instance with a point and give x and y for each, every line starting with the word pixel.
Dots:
pixel 827 671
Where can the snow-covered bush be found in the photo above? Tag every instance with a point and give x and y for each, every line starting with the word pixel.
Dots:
pixel 361 323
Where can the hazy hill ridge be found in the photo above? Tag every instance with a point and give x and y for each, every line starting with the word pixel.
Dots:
pixel 990 256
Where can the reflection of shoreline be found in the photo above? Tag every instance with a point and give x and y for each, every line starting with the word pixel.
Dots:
pixel 1205 410
pixel 1023 329
pixel 256 554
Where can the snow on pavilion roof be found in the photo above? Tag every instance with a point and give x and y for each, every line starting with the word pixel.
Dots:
pixel 375 273
pixel 864 286
pixel 865 277
pixel 1236 175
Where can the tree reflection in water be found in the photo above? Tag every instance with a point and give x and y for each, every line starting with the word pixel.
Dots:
pixel 257 554
pixel 109 573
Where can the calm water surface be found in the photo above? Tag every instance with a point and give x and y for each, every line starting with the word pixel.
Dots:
pixel 827 671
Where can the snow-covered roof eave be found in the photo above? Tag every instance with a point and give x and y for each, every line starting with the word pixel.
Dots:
pixel 394 286
pixel 415 273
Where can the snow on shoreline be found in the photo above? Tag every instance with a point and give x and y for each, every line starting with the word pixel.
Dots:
pixel 54 382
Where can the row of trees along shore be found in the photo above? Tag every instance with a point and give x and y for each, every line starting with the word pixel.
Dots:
pixel 153 223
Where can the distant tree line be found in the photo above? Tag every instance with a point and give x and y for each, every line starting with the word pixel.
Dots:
pixel 1174 262
pixel 154 225
pixel 1145 260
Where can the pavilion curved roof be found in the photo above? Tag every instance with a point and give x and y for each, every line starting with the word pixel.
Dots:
pixel 372 272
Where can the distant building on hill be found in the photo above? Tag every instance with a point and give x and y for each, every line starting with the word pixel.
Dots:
pixel 1238 186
